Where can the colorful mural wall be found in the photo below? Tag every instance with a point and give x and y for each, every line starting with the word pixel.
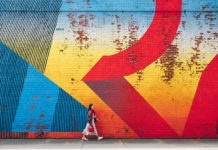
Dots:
pixel 150 67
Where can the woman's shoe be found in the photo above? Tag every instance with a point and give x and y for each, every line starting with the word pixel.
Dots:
pixel 100 138
pixel 84 138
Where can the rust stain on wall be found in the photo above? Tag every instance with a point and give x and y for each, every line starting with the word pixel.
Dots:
pixel 82 39
pixel 41 127
pixel 196 55
pixel 29 125
pixel 140 75
pixel 80 25
pixel 132 28
pixel 35 97
pixel 48 97
pixel 183 24
pixel 209 17
pixel 69 1
pixel 41 135
pixel 13 135
pixel 3 106
pixel 198 40
pixel 124 41
pixel 41 116
pixel 215 34
pixel 198 16
pixel 119 44
pixel 132 57
pixel 168 62
pixel 32 107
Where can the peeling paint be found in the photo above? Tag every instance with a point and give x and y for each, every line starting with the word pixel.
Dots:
pixel 168 63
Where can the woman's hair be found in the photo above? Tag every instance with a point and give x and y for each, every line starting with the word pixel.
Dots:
pixel 90 106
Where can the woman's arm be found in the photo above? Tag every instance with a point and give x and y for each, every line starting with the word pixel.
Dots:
pixel 90 116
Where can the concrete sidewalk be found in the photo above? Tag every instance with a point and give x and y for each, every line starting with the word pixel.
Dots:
pixel 124 144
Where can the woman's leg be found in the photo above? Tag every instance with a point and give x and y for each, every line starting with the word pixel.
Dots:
pixel 96 132
pixel 85 132
pixel 84 137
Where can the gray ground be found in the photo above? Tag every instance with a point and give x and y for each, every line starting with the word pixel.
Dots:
pixel 124 144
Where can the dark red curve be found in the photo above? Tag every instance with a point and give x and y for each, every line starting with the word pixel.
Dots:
pixel 149 48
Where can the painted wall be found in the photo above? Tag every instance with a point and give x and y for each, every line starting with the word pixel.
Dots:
pixel 149 67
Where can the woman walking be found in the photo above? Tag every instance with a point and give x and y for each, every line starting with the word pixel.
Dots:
pixel 90 128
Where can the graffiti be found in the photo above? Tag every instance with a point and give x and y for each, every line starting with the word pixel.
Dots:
pixel 149 67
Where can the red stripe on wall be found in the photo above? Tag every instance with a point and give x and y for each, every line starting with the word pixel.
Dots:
pixel 131 107
pixel 54 135
pixel 203 117
pixel 149 48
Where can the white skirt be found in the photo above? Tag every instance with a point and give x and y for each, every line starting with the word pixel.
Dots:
pixel 86 130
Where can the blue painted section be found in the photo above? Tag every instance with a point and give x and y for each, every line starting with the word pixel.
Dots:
pixel 200 5
pixel 70 115
pixel 28 100
pixel 100 5
pixel 37 103
pixel 12 73
pixel 27 27
pixel 30 5
pixel 108 5
pixel 133 5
